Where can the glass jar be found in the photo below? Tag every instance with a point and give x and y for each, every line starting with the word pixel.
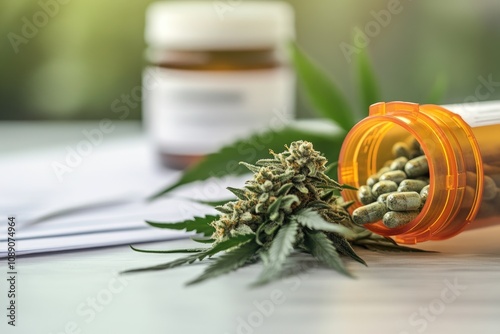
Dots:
pixel 463 154
pixel 219 74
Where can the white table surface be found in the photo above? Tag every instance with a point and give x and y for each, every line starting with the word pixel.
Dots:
pixel 397 293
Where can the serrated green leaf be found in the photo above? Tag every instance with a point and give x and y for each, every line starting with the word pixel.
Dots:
pixel 313 220
pixel 225 162
pixel 295 264
pixel 325 97
pixel 438 90
pixel 330 182
pixel 198 224
pixel 203 241
pixel 169 265
pixel 331 166
pixel 318 244
pixel 369 91
pixel 230 261
pixel 328 195
pixel 349 187
pixel 214 204
pixel 229 243
pixel 171 251
pixel 216 248
pixel 380 245
pixel 239 193
pixel 223 209
pixel 250 167
pixel 344 247
pixel 281 247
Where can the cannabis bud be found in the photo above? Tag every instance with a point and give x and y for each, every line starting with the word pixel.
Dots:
pixel 289 204
pixel 280 188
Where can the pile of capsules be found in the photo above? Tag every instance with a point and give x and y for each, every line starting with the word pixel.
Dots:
pixel 397 192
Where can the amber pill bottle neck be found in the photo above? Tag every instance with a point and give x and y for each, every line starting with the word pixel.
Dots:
pixel 454 158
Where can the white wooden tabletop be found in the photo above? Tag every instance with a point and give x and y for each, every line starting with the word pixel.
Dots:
pixel 454 291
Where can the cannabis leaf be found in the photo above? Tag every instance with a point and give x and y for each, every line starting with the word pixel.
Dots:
pixel 198 224
pixel 230 261
pixel 369 91
pixel 438 89
pixel 322 248
pixel 203 253
pixel 343 247
pixel 281 247
pixel 169 265
pixel 386 246
pixel 313 220
pixel 326 98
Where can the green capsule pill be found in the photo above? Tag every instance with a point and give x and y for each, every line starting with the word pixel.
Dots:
pixel 424 193
pixel 383 198
pixel 414 144
pixel 414 154
pixel 398 163
pixel 393 175
pixel 417 167
pixel 370 213
pixel 393 219
pixel 383 187
pixel 382 170
pixel 372 180
pixel 412 185
pixel 400 149
pixel 489 189
pixel 365 195
pixel 406 201
pixel 375 177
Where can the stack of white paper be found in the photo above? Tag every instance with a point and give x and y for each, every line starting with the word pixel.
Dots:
pixel 123 173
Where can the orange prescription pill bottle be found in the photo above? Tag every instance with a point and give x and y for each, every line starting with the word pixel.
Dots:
pixel 462 146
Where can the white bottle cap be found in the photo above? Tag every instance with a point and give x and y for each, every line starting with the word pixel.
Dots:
pixel 218 25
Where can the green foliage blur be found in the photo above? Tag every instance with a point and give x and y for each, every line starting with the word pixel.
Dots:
pixel 89 53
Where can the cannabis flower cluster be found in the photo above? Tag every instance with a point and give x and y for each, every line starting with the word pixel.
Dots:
pixel 290 206
pixel 292 181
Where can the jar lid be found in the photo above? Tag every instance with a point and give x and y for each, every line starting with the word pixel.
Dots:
pixel 218 25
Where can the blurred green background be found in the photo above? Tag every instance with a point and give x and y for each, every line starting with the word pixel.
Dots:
pixel 91 51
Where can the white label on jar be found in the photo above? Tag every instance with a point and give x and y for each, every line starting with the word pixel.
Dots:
pixel 478 113
pixel 195 112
